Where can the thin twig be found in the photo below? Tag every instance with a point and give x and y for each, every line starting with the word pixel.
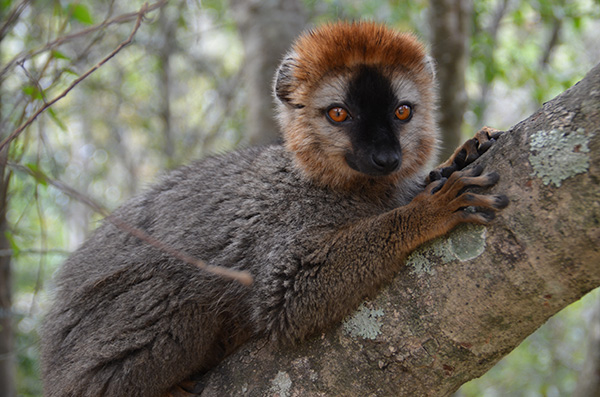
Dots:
pixel 61 40
pixel 11 252
pixel 44 246
pixel 34 81
pixel 13 17
pixel 553 41
pixel 19 130
pixel 242 277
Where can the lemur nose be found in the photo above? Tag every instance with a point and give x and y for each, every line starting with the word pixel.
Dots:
pixel 386 161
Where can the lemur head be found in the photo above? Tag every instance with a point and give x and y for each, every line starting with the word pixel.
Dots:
pixel 356 104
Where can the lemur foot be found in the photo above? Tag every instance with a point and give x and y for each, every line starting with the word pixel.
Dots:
pixel 470 151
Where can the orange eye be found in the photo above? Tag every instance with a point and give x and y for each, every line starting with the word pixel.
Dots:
pixel 337 114
pixel 403 112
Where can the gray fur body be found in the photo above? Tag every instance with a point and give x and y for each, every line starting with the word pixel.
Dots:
pixel 125 311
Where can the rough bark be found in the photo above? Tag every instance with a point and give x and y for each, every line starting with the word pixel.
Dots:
pixel 465 301
pixel 267 27
pixel 450 23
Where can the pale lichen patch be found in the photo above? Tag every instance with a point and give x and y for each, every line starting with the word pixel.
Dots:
pixel 466 242
pixel 421 259
pixel 557 155
pixel 364 323
pixel 281 384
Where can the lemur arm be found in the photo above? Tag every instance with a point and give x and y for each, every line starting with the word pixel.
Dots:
pixel 327 284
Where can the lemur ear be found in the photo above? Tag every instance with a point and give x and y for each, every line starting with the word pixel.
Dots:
pixel 284 79
pixel 429 63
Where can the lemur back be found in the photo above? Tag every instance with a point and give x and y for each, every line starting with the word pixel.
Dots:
pixel 321 222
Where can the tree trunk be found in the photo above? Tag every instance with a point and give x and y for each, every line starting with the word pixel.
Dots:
pixel 167 25
pixel 267 27
pixel 7 347
pixel 464 301
pixel 450 23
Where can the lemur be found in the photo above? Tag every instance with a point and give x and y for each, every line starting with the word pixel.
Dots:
pixel 321 222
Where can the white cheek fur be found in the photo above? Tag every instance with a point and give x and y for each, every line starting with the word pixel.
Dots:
pixel 331 91
pixel 406 91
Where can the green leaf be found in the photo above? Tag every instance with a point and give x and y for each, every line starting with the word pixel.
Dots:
pixel 70 71
pixel 55 118
pixel 13 244
pixel 59 55
pixel 518 17
pixel 39 176
pixel 32 91
pixel 5 5
pixel 80 13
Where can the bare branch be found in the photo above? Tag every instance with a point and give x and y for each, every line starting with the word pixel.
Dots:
pixel 241 276
pixel 13 17
pixel 124 18
pixel 553 41
pixel 34 81
pixel 140 15
pixel 11 252
pixel 492 31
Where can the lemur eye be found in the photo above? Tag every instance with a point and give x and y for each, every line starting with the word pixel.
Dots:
pixel 404 112
pixel 337 114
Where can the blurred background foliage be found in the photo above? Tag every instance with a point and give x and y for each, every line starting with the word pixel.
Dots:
pixel 181 91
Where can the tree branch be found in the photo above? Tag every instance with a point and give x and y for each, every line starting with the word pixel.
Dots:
pixel 450 22
pixel 64 39
pixel 13 17
pixel 140 15
pixel 465 301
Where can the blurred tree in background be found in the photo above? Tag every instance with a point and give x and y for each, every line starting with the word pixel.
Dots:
pixel 196 80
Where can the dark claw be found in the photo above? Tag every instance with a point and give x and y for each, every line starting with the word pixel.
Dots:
pixel 485 146
pixel 460 159
pixel 439 186
pixel 472 157
pixel 449 170
pixel 493 178
pixel 496 135
pixel 477 170
pixel 435 175
pixel 501 201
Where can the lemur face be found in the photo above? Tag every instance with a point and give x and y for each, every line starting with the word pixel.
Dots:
pixel 372 114
pixel 356 103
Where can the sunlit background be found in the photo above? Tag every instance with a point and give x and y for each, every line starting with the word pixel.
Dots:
pixel 186 88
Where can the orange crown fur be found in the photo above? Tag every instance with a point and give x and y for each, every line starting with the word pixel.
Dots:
pixel 370 43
